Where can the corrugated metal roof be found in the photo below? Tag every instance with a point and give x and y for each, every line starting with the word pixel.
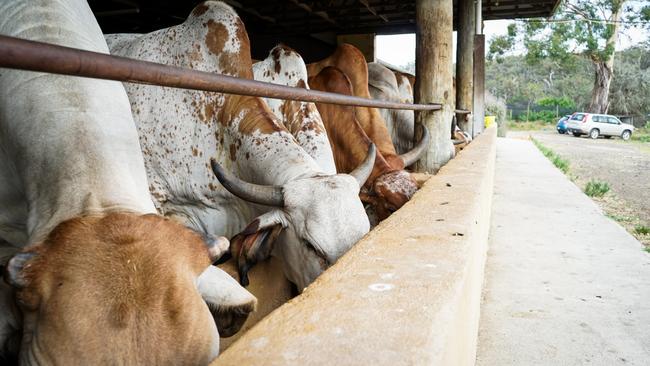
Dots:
pixel 299 17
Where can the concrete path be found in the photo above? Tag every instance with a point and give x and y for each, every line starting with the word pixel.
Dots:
pixel 564 284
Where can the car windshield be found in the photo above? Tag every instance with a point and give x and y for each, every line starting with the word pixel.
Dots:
pixel 578 117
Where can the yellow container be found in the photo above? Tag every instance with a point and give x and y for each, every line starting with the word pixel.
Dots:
pixel 490 120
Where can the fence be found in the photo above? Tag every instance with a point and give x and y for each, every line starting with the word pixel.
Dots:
pixel 22 54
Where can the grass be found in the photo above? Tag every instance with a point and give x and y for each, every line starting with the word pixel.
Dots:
pixel 641 134
pixel 529 126
pixel 642 229
pixel 620 218
pixel 595 188
pixel 560 162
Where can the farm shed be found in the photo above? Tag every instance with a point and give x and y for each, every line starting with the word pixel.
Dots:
pixel 452 302
pixel 314 28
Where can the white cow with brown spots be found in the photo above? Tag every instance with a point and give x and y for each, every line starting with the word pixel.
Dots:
pixel 285 66
pixel 95 275
pixel 283 192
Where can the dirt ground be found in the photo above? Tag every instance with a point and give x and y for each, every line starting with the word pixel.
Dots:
pixel 624 165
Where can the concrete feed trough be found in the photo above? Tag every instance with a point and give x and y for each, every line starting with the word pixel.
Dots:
pixel 407 293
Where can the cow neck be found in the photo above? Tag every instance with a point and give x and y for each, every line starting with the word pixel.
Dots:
pixel 284 66
pixel 74 145
pixel 348 139
pixel 374 126
pixel 349 142
pixel 351 62
pixel 260 139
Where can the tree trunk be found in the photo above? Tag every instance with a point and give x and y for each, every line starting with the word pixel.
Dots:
pixel 465 61
pixel 604 68
pixel 600 93
pixel 434 70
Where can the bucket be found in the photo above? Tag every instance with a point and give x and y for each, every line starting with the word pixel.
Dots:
pixel 490 120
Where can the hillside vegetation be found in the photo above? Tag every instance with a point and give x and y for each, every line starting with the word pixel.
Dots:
pixel 540 89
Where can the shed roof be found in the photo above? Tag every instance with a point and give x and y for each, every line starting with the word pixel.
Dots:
pixel 300 17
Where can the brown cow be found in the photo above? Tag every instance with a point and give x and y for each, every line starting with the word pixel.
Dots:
pixel 390 186
pixel 96 276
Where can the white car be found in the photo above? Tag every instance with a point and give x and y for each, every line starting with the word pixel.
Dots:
pixel 596 125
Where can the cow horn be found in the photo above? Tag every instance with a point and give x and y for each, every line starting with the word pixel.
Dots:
pixel 362 172
pixel 264 195
pixel 416 153
pixel 457 142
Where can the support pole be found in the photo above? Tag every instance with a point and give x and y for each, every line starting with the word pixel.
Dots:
pixel 479 84
pixel 434 71
pixel 479 73
pixel 465 61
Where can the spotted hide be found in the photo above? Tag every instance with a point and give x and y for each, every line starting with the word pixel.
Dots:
pixel 271 189
pixel 285 66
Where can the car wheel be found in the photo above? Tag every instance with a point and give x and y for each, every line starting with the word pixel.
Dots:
pixel 594 133
pixel 626 135
pixel 576 134
pixel 607 137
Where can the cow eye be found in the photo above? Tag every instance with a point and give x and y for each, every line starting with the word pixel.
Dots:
pixel 319 253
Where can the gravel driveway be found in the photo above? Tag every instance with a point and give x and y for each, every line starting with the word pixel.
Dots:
pixel 624 165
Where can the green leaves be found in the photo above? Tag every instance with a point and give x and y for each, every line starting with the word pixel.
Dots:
pixel 563 102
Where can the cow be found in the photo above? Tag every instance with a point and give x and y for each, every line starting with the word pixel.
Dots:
pixel 396 86
pixel 267 188
pixel 384 84
pixel 285 66
pixel 388 189
pixel 96 276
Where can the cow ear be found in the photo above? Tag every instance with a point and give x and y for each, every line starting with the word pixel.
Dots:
pixel 218 248
pixel 255 243
pixel 15 271
pixel 229 303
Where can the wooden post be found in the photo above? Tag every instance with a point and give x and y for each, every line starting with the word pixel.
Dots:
pixel 434 72
pixel 479 84
pixel 465 60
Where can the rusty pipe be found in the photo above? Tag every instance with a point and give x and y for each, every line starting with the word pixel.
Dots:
pixel 16 53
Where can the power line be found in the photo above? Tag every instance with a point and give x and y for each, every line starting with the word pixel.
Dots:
pixel 591 20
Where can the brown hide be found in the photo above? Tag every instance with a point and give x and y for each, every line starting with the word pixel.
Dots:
pixel 116 290
pixel 352 63
pixel 348 140
pixel 388 188
pixel 268 284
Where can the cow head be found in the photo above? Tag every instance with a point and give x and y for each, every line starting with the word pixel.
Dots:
pixel 319 219
pixel 124 289
pixel 392 189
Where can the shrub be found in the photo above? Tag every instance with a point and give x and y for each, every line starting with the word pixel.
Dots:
pixel 596 188
pixel 544 116
pixel 642 229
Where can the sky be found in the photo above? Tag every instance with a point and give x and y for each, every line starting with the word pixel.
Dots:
pixel 400 49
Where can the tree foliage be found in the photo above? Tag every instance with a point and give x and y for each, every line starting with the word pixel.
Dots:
pixel 589 28
pixel 540 85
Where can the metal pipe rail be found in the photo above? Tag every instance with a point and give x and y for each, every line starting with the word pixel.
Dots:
pixel 23 54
